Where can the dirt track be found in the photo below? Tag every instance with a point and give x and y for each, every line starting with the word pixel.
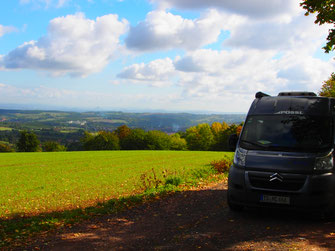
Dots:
pixel 192 220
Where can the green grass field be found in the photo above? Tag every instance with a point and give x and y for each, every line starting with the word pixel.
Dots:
pixel 34 183
pixel 3 128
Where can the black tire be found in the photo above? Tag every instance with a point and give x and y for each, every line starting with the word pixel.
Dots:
pixel 329 213
pixel 234 207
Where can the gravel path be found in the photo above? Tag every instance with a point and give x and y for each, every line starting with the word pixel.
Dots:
pixel 198 219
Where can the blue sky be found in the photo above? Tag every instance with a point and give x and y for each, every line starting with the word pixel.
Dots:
pixel 173 55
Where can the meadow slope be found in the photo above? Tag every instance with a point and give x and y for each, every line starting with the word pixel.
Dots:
pixel 34 183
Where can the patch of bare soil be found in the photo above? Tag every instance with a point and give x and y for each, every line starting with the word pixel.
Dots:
pixel 190 220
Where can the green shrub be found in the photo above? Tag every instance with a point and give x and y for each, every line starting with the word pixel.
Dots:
pixel 174 180
pixel 52 146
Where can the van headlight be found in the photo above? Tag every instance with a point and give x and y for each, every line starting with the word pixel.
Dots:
pixel 324 163
pixel 239 157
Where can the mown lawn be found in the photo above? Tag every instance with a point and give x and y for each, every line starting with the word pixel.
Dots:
pixel 34 183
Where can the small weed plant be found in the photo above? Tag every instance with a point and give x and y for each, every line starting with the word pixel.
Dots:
pixel 173 180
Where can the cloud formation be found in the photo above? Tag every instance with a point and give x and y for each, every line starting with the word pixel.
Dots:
pixel 210 73
pixel 162 30
pixel 45 3
pixel 297 33
pixel 73 45
pixel 53 96
pixel 252 8
pixel 157 72
pixel 6 29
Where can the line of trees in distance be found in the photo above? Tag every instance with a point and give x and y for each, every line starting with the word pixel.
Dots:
pixel 203 137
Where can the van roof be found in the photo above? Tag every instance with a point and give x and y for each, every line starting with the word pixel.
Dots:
pixel 298 105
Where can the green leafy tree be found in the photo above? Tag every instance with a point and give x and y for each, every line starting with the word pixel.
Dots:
pixel 52 146
pixel 87 140
pixel 136 140
pixel 222 143
pixel 28 142
pixel 5 148
pixel 157 140
pixel 103 140
pixel 177 143
pixel 325 10
pixel 328 88
pixel 199 137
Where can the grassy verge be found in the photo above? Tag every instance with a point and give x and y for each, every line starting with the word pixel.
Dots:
pixel 151 184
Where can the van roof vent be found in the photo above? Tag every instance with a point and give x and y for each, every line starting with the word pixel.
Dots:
pixel 261 95
pixel 310 94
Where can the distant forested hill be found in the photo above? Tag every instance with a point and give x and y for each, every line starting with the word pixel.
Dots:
pixel 96 121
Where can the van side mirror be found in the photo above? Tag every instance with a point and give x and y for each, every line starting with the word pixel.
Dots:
pixel 232 142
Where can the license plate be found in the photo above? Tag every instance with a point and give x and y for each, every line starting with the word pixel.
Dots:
pixel 275 199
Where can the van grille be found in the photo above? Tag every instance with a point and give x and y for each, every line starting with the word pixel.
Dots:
pixel 289 183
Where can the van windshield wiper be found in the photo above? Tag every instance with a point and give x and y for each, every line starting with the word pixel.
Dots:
pixel 253 143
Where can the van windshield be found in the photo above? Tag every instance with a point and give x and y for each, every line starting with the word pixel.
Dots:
pixel 290 133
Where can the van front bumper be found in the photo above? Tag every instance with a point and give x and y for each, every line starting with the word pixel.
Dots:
pixel 306 192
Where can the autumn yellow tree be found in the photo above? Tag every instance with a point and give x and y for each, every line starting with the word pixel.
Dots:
pixel 328 88
pixel 216 128
pixel 225 126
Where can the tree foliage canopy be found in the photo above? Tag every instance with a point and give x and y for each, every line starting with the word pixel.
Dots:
pixel 157 140
pixel 28 142
pixel 328 88
pixel 5 148
pixel 53 146
pixel 136 140
pixel 123 131
pixel 325 10
pixel 103 140
pixel 199 137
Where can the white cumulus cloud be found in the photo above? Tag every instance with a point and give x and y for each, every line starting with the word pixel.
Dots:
pixel 73 45
pixel 45 3
pixel 212 74
pixel 157 72
pixel 251 8
pixel 299 33
pixel 304 72
pixel 216 73
pixel 6 29
pixel 163 30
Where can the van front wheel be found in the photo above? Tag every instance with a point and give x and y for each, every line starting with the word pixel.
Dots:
pixel 329 213
pixel 232 206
